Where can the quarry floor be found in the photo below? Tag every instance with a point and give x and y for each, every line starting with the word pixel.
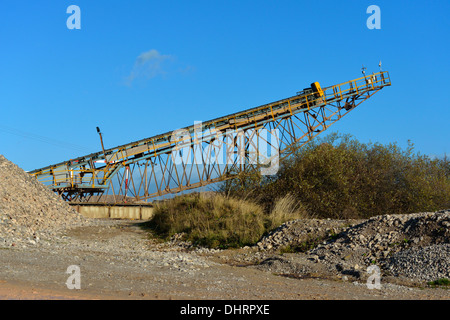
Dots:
pixel 118 261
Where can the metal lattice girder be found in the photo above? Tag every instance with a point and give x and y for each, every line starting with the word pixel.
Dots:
pixel 208 152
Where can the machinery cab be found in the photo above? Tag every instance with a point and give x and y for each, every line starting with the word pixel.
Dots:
pixel 312 93
pixel 316 88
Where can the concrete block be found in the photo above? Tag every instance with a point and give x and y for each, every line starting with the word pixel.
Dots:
pixel 146 213
pixel 125 213
pixel 96 212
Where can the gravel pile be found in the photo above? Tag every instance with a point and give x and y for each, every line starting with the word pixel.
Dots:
pixel 423 264
pixel 294 233
pixel 413 246
pixel 29 211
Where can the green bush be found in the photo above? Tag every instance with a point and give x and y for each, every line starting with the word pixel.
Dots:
pixel 339 177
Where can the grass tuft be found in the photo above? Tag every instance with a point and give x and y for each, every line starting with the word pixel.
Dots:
pixel 216 221
pixel 443 282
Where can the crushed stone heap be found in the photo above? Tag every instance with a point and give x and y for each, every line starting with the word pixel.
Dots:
pixel 29 211
pixel 414 246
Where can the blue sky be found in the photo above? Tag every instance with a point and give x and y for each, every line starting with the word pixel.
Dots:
pixel 140 68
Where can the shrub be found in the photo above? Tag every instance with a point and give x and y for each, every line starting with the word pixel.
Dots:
pixel 339 177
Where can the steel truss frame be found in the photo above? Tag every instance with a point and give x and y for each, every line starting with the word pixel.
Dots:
pixel 208 152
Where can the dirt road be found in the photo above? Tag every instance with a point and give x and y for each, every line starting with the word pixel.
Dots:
pixel 117 260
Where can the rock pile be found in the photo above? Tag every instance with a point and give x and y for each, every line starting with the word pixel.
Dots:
pixel 380 237
pixel 297 232
pixel 29 211
pixel 422 264
pixel 414 246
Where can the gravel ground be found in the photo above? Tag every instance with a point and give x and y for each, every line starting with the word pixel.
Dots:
pixel 117 260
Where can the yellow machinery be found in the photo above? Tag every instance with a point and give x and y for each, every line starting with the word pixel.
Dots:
pixel 190 158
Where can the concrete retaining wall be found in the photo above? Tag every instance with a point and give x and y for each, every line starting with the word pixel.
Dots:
pixel 115 212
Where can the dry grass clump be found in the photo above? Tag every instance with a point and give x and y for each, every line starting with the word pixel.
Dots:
pixel 286 208
pixel 213 220
pixel 217 221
